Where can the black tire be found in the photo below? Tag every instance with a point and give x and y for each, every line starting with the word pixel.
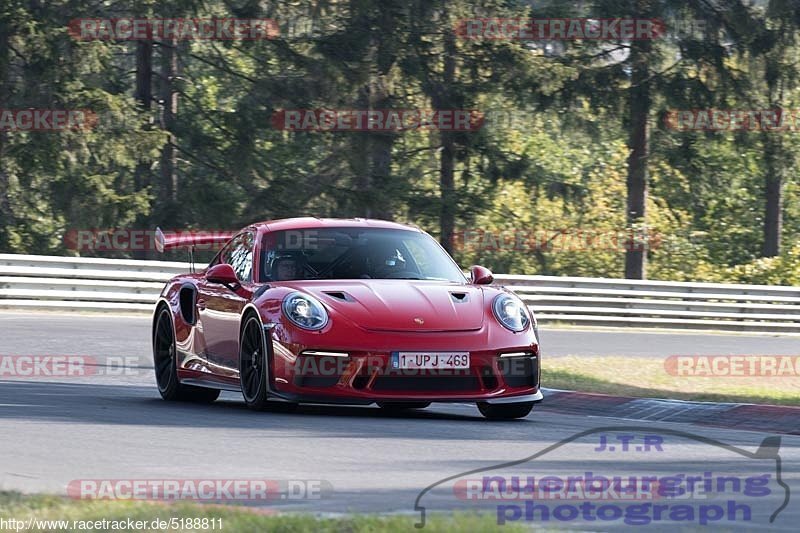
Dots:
pixel 505 411
pixel 252 364
pixel 254 369
pixel 166 366
pixel 402 406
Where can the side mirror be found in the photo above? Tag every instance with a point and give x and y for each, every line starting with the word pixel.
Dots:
pixel 481 275
pixel 222 273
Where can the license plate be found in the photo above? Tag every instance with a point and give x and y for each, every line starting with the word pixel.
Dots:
pixel 432 360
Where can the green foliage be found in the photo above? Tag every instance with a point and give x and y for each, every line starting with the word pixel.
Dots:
pixel 551 156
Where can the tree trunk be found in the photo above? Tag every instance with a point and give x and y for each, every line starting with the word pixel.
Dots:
pixel 374 182
pixel 144 95
pixel 7 219
pixel 447 214
pixel 144 74
pixel 380 95
pixel 168 186
pixel 380 156
pixel 639 146
pixel 774 165
pixel 360 157
pixel 773 184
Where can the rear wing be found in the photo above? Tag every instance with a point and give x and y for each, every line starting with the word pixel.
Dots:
pixel 189 239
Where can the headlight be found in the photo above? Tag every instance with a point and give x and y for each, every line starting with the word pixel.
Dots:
pixel 510 311
pixel 304 311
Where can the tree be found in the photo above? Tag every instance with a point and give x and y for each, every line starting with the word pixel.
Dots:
pixel 639 106
pixel 7 219
pixel 775 57
pixel 635 77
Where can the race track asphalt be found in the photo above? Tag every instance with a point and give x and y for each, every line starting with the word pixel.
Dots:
pixel 113 425
pixel 98 335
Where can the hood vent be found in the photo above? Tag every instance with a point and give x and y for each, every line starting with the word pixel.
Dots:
pixel 339 295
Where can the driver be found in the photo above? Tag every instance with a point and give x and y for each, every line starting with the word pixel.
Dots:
pixel 286 268
pixel 386 262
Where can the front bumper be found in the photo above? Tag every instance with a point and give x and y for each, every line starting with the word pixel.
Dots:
pixel 366 377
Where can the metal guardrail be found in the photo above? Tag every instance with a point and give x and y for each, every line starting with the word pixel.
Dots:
pixel 82 284
pixel 90 284
pixel 686 305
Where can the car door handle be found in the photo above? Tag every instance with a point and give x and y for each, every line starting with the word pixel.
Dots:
pixel 201 304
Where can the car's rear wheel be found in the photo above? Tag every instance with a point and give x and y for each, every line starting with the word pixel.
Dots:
pixel 402 406
pixel 166 366
pixel 505 411
pixel 254 369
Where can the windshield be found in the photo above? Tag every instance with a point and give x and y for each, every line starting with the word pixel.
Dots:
pixel 355 253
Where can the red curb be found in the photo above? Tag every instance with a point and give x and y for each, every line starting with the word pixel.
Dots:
pixel 581 402
pixel 782 419
pixel 764 418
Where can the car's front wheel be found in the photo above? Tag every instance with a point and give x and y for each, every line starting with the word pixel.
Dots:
pixel 505 411
pixel 166 366
pixel 254 369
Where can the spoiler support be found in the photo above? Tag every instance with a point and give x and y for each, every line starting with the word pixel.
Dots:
pixel 190 240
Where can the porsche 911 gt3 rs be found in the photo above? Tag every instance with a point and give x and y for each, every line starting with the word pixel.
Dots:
pixel 356 311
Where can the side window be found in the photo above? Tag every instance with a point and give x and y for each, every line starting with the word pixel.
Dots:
pixel 224 255
pixel 240 256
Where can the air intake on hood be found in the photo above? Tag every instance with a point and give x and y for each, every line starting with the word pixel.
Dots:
pixel 339 295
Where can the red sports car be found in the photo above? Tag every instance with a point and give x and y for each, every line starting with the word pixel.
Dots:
pixel 310 310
